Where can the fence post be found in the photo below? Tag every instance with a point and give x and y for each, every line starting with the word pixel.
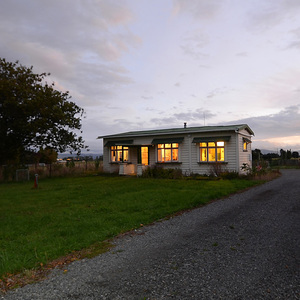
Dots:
pixel 36 181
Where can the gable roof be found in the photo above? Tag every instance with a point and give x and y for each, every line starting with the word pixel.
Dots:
pixel 202 129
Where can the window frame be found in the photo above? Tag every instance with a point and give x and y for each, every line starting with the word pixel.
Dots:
pixel 209 151
pixel 245 144
pixel 141 157
pixel 120 153
pixel 163 148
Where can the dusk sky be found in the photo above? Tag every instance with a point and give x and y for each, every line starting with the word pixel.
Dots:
pixel 149 64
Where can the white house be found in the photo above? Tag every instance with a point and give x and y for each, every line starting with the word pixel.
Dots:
pixel 191 149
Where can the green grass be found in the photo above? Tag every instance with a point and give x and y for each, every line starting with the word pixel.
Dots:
pixel 68 214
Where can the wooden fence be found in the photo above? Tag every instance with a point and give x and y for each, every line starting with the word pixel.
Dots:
pixel 59 169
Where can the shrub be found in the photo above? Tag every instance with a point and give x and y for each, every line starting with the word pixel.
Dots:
pixel 196 176
pixel 230 175
pixel 160 172
pixel 259 170
pixel 8 172
pixel 216 169
pixel 70 163
pixel 97 163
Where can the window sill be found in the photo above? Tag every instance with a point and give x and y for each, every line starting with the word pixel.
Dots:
pixel 212 162
pixel 120 162
pixel 245 150
pixel 169 163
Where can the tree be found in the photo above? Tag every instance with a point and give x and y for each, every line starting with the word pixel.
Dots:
pixel 283 154
pixel 270 156
pixel 47 155
pixel 288 154
pixel 33 115
pixel 256 154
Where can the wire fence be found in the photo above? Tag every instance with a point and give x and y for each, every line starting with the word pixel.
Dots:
pixel 60 169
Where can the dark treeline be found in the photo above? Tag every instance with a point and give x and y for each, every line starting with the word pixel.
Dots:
pixel 283 157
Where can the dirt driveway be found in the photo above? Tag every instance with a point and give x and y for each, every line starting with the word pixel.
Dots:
pixel 242 247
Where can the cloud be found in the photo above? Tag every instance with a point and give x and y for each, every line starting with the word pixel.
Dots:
pixel 79 44
pixel 147 97
pixel 218 91
pixel 123 125
pixel 193 44
pixel 197 8
pixel 193 118
pixel 282 124
pixel 274 145
pixel 295 43
pixel 193 51
pixel 266 15
pixel 122 60
pixel 67 24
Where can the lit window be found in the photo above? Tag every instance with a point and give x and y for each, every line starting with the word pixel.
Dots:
pixel 119 154
pixel 212 151
pixel 144 155
pixel 167 152
pixel 246 142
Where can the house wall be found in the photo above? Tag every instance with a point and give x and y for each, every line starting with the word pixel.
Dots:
pixel 232 154
pixel 107 166
pixel 189 153
pixel 153 151
pixel 205 168
pixel 133 154
pixel 245 156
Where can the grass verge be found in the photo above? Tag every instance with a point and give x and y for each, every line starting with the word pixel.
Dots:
pixel 66 215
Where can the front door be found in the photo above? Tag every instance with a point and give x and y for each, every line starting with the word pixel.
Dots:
pixel 143 156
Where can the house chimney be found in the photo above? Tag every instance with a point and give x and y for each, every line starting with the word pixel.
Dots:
pixel 184 125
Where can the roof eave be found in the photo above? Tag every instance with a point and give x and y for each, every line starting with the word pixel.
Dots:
pixel 173 131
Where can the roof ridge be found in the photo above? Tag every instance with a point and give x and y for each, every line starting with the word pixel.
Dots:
pixel 179 130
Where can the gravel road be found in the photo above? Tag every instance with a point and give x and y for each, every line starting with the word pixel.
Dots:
pixel 243 247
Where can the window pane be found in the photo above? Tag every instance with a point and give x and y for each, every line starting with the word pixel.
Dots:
pixel 220 153
pixel 119 147
pixel 245 146
pixel 203 145
pixel 211 154
pixel 211 144
pixel 144 151
pixel 167 152
pixel 203 154
pixel 168 155
pixel 220 144
pixel 113 147
pixel 119 155
pixel 125 155
pixel 160 155
pixel 113 156
pixel 175 154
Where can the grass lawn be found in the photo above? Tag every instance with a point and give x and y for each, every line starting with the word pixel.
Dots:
pixel 68 214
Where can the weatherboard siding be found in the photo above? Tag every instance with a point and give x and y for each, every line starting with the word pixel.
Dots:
pixel 108 167
pixel 184 155
pixel 231 154
pixel 245 156
pixel 189 152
